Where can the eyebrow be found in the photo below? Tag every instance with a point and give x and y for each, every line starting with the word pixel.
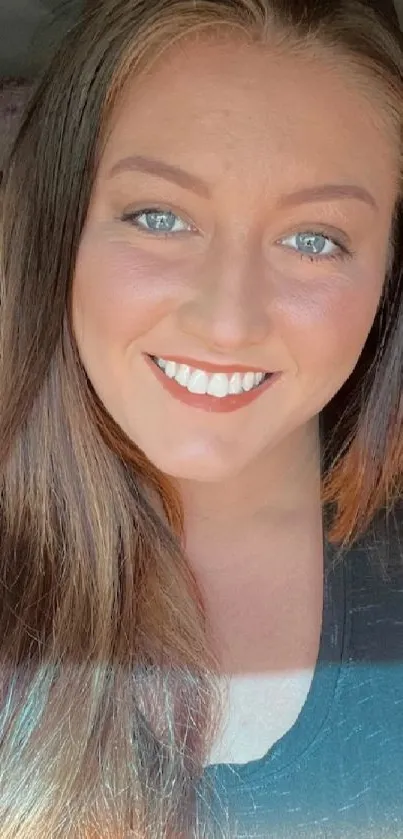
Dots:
pixel 152 166
pixel 328 192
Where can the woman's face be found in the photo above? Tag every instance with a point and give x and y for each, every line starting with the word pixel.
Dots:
pixel 275 177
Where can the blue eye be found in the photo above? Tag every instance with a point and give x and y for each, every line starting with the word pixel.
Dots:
pixel 157 221
pixel 313 245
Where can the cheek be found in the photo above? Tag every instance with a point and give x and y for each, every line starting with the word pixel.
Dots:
pixel 328 327
pixel 119 292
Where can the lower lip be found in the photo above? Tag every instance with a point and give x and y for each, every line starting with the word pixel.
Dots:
pixel 204 401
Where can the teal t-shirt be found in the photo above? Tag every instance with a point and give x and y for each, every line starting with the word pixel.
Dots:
pixel 338 772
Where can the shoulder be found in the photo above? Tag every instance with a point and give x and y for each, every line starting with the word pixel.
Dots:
pixel 374 575
pixel 384 540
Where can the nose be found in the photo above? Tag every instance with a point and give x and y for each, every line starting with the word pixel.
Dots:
pixel 227 310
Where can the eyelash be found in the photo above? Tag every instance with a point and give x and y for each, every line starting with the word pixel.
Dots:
pixel 342 253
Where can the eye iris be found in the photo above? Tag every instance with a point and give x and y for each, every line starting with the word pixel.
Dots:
pixel 311 242
pixel 161 220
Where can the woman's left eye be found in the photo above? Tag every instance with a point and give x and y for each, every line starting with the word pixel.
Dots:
pixel 157 221
pixel 311 244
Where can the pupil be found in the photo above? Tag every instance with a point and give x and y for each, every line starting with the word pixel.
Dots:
pixel 312 242
pixel 161 221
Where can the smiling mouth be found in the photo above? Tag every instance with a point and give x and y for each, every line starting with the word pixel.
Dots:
pixel 219 385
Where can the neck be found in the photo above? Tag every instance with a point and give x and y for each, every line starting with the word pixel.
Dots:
pixel 255 545
pixel 281 489
pixel 280 480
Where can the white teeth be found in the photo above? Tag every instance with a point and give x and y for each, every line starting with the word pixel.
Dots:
pixel 235 383
pixel 248 381
pixel 183 375
pixel 215 384
pixel 170 369
pixel 218 385
pixel 198 382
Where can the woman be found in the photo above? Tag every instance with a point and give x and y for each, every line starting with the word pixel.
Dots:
pixel 201 427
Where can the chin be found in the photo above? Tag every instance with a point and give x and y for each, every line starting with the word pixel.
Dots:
pixel 197 467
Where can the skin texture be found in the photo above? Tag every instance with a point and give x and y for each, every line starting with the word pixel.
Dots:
pixel 254 125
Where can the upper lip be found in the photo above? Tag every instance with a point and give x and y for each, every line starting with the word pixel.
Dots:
pixel 212 367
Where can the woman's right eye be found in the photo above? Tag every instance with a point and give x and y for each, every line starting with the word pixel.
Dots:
pixel 157 221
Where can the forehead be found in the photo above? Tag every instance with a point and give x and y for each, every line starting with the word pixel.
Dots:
pixel 231 107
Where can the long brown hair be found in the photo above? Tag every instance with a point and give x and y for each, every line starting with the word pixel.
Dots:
pixel 109 690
